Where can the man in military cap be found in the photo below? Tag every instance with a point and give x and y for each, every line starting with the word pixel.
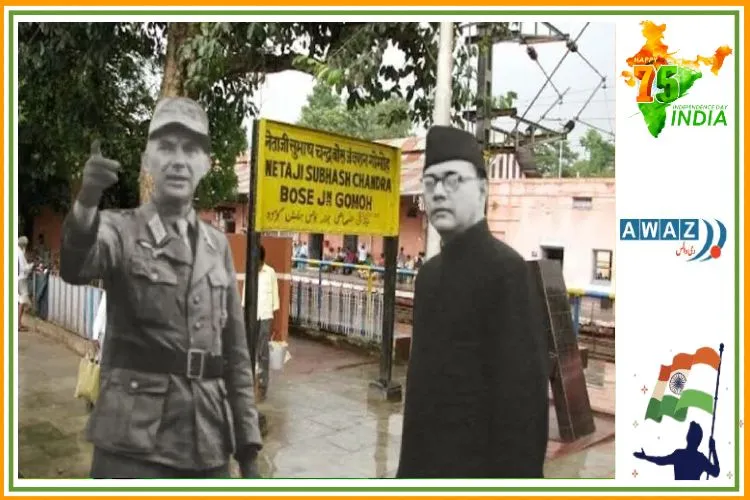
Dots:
pixel 476 402
pixel 177 395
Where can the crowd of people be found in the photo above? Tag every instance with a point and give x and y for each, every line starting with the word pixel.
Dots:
pixel 362 256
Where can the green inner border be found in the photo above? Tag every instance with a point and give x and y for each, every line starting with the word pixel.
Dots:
pixel 640 13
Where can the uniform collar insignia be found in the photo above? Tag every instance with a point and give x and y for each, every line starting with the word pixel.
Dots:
pixel 207 237
pixel 158 231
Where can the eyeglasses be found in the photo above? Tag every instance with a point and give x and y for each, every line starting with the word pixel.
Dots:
pixel 451 182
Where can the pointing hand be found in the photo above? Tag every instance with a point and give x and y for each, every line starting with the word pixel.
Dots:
pixel 640 454
pixel 99 173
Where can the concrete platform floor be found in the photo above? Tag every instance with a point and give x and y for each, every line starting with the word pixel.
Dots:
pixel 321 422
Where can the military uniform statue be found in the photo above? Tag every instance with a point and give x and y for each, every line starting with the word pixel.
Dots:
pixel 177 396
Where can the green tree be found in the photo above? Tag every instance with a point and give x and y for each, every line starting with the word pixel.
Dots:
pixel 84 80
pixel 598 158
pixel 549 161
pixel 77 82
pixel 326 111
pixel 505 101
pixel 223 64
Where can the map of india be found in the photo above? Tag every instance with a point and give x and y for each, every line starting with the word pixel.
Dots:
pixel 656 70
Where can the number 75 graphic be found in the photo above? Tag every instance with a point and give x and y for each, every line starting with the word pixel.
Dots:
pixel 666 82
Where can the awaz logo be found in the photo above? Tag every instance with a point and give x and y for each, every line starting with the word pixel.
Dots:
pixel 686 230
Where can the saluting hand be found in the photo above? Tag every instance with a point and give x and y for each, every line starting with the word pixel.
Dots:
pixel 99 173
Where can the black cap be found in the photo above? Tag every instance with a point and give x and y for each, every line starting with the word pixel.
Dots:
pixel 448 143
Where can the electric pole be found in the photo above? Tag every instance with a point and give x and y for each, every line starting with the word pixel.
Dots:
pixel 484 104
pixel 442 110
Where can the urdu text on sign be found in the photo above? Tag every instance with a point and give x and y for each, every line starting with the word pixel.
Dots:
pixel 313 181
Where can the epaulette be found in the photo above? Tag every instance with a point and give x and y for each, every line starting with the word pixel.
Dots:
pixel 212 235
pixel 116 217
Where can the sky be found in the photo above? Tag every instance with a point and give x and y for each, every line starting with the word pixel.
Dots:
pixel 284 94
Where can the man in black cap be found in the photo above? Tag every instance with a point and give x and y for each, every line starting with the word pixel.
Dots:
pixel 176 395
pixel 477 384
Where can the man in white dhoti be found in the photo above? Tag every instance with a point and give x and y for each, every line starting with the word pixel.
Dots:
pixel 23 270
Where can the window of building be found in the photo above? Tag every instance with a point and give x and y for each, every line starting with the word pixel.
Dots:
pixel 582 202
pixel 603 265
pixel 606 304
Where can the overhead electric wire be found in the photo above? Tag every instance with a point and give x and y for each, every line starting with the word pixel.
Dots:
pixel 515 129
pixel 558 100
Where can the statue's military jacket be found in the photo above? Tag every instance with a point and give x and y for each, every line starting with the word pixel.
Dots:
pixel 161 298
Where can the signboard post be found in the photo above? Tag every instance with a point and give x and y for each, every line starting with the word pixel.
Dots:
pixel 385 385
pixel 251 275
pixel 316 182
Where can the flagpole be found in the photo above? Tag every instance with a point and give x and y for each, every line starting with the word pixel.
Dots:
pixel 716 400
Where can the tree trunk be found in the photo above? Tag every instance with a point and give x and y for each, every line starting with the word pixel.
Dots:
pixel 175 70
pixel 172 84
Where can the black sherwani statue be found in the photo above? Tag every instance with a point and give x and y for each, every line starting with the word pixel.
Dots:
pixel 477 384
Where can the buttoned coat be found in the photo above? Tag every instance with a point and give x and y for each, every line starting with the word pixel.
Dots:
pixel 158 297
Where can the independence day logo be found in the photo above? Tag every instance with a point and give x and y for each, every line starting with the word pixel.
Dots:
pixel 663 81
pixel 690 381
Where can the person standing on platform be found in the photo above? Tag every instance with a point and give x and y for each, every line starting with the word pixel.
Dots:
pixel 362 254
pixel 476 403
pixel 268 304
pixel 23 273
pixel 177 393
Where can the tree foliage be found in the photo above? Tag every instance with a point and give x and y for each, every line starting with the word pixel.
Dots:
pixel 78 81
pixel 231 60
pixel 224 64
pixel 548 159
pixel 597 158
pixel 326 111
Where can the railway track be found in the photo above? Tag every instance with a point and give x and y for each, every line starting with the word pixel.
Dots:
pixel 600 341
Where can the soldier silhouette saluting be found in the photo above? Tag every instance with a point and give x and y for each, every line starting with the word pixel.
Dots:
pixel 689 463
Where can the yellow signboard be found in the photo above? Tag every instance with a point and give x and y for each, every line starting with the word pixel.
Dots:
pixel 317 182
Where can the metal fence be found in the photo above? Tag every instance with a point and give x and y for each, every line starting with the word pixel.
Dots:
pixel 337 307
pixel 353 305
pixel 592 307
pixel 342 298
pixel 323 301
pixel 71 306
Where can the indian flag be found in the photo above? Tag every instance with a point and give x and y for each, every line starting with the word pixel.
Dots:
pixel 690 381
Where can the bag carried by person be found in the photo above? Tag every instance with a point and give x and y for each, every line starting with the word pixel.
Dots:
pixel 87 386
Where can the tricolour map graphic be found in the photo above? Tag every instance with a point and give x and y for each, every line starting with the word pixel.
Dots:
pixel 664 78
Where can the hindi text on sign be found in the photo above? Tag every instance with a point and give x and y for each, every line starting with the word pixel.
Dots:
pixel 312 181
